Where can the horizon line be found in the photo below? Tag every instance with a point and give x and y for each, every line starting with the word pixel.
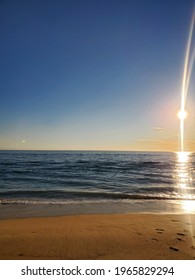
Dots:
pixel 91 150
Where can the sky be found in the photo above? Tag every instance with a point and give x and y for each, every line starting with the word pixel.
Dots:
pixel 94 75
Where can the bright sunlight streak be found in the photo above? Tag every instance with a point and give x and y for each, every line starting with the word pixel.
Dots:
pixel 183 157
pixel 188 205
pixel 182 115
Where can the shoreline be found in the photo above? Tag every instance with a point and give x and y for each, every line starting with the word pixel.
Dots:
pixel 99 236
pixel 26 210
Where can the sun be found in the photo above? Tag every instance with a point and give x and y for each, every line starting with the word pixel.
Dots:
pixel 182 114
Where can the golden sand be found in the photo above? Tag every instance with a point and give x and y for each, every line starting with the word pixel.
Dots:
pixel 117 236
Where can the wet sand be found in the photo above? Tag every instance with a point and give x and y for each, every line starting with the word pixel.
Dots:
pixel 116 236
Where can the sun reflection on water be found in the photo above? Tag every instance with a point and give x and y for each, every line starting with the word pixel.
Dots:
pixel 184 181
pixel 188 206
pixel 183 157
pixel 182 169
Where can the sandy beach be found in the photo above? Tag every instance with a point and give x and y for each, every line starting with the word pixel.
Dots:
pixel 116 236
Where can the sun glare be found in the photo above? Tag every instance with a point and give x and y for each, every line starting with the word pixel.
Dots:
pixel 188 205
pixel 183 157
pixel 182 115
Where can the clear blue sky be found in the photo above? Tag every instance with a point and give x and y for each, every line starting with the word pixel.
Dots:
pixel 100 75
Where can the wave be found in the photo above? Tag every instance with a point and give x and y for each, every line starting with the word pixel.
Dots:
pixel 92 176
pixel 76 196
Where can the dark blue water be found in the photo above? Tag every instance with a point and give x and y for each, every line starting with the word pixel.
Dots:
pixel 74 177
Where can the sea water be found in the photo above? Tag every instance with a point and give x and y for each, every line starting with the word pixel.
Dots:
pixel 96 180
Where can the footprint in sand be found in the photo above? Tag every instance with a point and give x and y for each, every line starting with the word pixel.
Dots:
pixel 155 239
pixel 174 249
pixel 160 230
pixel 179 239
pixel 175 221
pixel 20 254
pixel 181 234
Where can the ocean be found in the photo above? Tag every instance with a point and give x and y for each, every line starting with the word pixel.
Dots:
pixel 104 181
